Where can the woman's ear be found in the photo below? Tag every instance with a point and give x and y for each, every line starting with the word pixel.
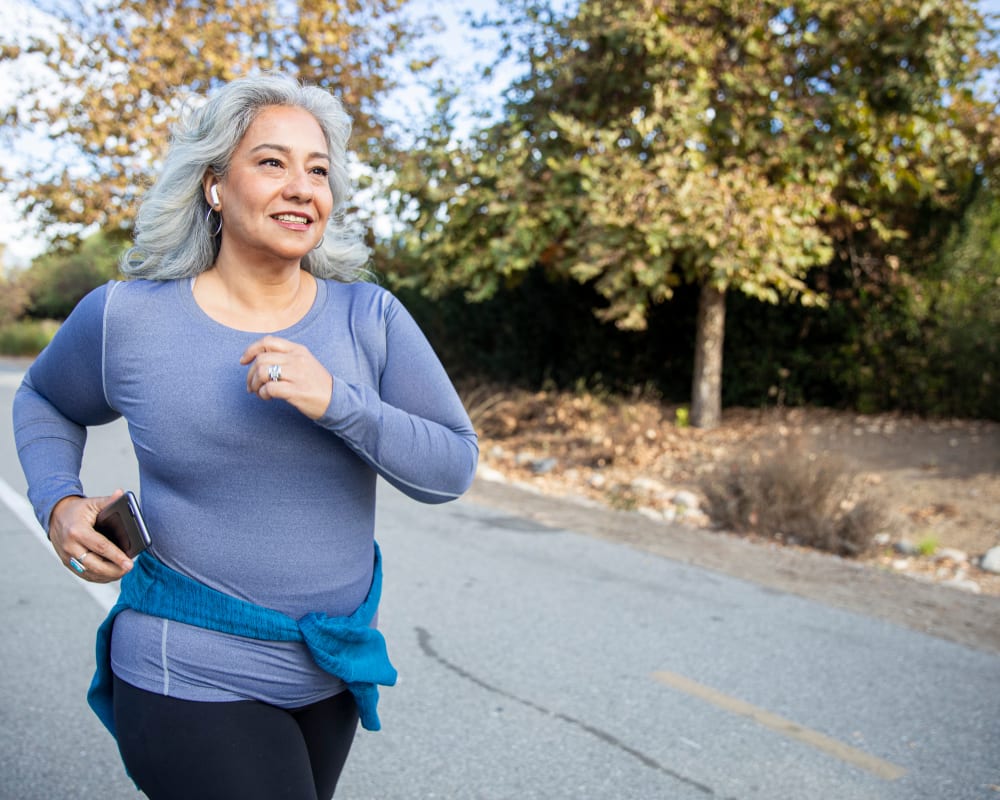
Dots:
pixel 210 184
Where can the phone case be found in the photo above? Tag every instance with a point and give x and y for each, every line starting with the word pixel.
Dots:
pixel 123 524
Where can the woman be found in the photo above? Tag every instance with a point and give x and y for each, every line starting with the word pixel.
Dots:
pixel 265 388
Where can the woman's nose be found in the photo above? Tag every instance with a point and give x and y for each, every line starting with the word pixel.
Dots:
pixel 299 186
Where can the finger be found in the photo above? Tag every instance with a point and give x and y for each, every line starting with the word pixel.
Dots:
pixel 272 381
pixel 264 345
pixel 90 566
pixel 257 369
pixel 266 366
pixel 70 524
pixel 106 550
pixel 261 373
pixel 251 353
pixel 99 544
pixel 104 502
pixel 274 368
pixel 309 392
pixel 80 547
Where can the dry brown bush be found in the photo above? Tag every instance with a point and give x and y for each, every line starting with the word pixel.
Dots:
pixel 794 497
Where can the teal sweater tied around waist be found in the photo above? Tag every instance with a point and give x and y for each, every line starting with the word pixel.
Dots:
pixel 346 647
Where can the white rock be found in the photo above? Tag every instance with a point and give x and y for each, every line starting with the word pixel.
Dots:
pixel 951 554
pixel 648 485
pixel 685 499
pixel 964 584
pixel 905 547
pixel 991 560
pixel 597 481
pixel 489 474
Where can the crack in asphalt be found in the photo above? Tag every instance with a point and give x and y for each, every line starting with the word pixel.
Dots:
pixel 424 641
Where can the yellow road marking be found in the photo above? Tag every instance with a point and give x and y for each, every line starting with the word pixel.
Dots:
pixel 883 769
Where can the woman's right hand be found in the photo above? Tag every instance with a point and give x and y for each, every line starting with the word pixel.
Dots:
pixel 82 549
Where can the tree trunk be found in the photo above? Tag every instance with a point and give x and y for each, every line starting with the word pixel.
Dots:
pixel 706 387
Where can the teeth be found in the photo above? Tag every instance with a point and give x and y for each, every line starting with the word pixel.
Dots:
pixel 291 218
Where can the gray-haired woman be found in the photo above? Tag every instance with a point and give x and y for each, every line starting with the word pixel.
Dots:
pixel 265 387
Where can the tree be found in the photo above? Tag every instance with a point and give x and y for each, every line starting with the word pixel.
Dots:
pixel 958 306
pixel 726 144
pixel 109 77
pixel 57 280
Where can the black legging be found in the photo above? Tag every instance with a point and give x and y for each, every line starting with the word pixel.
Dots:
pixel 185 750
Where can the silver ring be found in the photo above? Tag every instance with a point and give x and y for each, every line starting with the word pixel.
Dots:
pixel 274 372
pixel 77 563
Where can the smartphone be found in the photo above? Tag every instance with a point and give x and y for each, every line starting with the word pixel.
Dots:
pixel 123 524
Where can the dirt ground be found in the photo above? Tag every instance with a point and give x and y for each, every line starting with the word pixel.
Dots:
pixel 937 483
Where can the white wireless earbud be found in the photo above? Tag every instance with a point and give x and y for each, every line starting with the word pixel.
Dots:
pixel 214 192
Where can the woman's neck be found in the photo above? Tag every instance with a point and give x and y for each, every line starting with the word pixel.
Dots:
pixel 255 300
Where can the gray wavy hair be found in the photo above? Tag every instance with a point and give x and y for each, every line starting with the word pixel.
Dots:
pixel 172 238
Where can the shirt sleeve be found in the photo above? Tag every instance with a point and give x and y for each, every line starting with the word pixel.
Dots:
pixel 61 394
pixel 412 430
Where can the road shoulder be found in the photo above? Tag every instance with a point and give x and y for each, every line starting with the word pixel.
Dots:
pixel 940 611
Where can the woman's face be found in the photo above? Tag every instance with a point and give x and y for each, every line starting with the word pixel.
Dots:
pixel 275 198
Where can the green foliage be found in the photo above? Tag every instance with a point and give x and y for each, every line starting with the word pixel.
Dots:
pixel 865 352
pixel 928 545
pixel 58 280
pixel 927 341
pixel 959 306
pixel 26 337
pixel 651 145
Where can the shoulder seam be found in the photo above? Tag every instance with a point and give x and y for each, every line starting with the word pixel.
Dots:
pixel 112 285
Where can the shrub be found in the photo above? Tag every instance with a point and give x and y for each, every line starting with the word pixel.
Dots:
pixel 58 280
pixel 26 337
pixel 791 496
pixel 13 298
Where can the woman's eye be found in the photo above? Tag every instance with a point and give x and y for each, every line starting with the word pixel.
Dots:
pixel 321 171
pixel 270 162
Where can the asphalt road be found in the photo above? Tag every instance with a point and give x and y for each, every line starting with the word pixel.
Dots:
pixel 543 663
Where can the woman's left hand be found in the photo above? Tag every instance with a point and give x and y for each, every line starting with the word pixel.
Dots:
pixel 284 370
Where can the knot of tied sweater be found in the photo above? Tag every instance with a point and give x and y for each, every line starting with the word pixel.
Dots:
pixel 347 647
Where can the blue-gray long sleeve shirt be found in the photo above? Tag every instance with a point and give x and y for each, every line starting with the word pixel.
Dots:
pixel 249 497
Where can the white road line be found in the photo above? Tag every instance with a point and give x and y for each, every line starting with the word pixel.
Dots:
pixel 106 594
pixel 851 755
